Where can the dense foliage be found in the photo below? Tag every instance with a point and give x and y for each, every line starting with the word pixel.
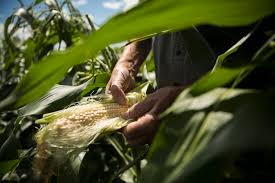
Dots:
pixel 219 129
pixel 54 27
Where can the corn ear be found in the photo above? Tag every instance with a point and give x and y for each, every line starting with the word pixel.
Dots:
pixel 71 130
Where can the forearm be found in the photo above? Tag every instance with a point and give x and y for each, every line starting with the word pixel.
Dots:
pixel 134 55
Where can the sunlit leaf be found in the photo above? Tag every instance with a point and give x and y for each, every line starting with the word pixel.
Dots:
pixel 152 16
pixel 61 96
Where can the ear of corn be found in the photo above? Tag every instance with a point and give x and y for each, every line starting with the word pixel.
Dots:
pixel 71 130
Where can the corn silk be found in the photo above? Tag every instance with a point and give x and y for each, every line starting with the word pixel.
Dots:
pixel 70 131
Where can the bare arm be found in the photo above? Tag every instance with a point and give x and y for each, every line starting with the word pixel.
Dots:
pixel 134 54
pixel 122 78
pixel 145 114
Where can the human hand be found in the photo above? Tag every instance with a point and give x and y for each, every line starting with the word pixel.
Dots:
pixel 121 81
pixel 147 113
pixel 122 78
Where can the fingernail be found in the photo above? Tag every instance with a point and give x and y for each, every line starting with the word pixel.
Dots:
pixel 120 101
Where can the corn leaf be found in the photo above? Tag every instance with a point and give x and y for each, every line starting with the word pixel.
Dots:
pixel 196 138
pixel 197 131
pixel 6 166
pixel 152 16
pixel 61 96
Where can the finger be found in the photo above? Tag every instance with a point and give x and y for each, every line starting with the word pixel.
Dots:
pixel 120 79
pixel 142 127
pixel 118 83
pixel 118 95
pixel 160 106
pixel 139 109
pixel 130 84
pixel 107 89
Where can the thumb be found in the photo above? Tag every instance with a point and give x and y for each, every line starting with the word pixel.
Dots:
pixel 139 109
pixel 118 95
pixel 107 89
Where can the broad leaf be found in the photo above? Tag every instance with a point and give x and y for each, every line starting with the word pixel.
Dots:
pixel 151 16
pixel 61 96
pixel 6 166
pixel 199 133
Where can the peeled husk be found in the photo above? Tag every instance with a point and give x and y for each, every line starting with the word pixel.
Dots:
pixel 70 131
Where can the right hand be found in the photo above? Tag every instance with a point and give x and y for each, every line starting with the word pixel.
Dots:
pixel 122 78
pixel 121 81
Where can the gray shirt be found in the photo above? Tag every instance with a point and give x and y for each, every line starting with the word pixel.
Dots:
pixel 181 57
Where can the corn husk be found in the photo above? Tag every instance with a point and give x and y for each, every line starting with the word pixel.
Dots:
pixel 70 131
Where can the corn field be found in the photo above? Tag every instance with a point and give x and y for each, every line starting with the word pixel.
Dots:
pixel 57 125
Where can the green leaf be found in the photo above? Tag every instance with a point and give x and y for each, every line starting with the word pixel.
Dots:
pixel 224 75
pixel 196 137
pixel 6 166
pixel 152 16
pixel 217 78
pixel 254 116
pixel 100 81
pixel 37 2
pixel 61 96
pixel 57 98
pixel 189 136
pixel 233 49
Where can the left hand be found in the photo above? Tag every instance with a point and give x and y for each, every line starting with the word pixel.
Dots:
pixel 147 113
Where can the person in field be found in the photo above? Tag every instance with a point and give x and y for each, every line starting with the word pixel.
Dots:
pixel 180 59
